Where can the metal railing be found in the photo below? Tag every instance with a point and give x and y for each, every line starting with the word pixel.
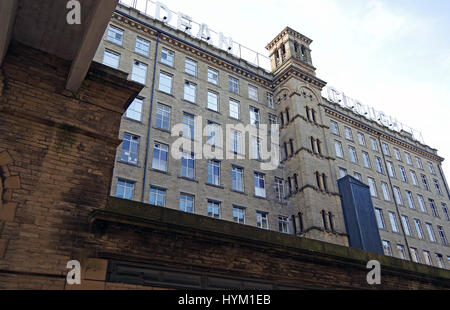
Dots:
pixel 147 7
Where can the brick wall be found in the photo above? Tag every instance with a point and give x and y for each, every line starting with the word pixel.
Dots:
pixel 57 153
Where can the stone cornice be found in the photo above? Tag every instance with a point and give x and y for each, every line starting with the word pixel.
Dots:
pixel 196 51
pixel 292 71
pixel 383 135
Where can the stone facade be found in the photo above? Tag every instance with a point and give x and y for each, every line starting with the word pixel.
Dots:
pixel 309 165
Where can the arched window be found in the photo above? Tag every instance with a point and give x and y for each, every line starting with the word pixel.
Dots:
pixel 324 181
pixel 307 113
pixel 287 116
pixel 300 222
pixel 313 115
pixel 313 141
pixel 319 148
pixel 318 179
pixel 290 185
pixel 324 219
pixel 296 181
pixel 330 219
pixel 291 143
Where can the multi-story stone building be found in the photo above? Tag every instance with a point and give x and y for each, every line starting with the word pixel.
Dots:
pixel 187 79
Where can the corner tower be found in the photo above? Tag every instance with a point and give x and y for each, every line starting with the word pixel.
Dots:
pixel 310 189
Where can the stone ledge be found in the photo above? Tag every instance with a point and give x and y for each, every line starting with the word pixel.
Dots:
pixel 130 213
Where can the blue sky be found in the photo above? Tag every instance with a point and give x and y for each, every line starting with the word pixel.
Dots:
pixel 393 55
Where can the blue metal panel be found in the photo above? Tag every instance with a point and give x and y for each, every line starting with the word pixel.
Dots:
pixel 359 215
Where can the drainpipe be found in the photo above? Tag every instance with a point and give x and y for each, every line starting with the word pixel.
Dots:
pixel 150 118
pixel 393 196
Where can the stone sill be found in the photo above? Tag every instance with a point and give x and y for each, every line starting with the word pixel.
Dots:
pixel 131 213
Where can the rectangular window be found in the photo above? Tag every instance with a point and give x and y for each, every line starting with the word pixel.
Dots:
pixel 361 139
pixel 114 35
pixel 440 260
pixel 437 186
pixel 425 182
pixel 256 144
pixel 167 57
pixel 239 215
pixel 238 179
pixel 334 127
pixel 160 156
pixel 139 72
pixel 213 101
pixel 190 91
pixel 162 116
pixel 374 144
pixel 134 111
pixel 111 59
pixel 380 219
pixel 283 224
pixel 279 189
pixel 391 169
pixel 401 251
pixel 405 223
pixel 379 165
pixel 353 156
pixel 386 149
pixel 262 220
pixel 393 220
pixel 234 109
pixel 445 210
pixel 214 137
pixel 187 165
pixel 188 126
pixel 415 255
pixel 348 134
pixel 260 187
pixel 427 256
pixel 213 76
pixel 418 226
pixel 142 46
pixel 125 189
pixel 385 189
pixel 130 148
pixel 187 203
pixel 414 178
pixel 419 163
pixel 410 198
pixel 358 176
pixel 422 206
pixel 398 156
pixel 433 207
pixel 235 141
pixel 431 168
pixel 387 248
pixel 254 116
pixel 338 147
pixel 430 232
pixel 165 83
pixel 398 196
pixel 214 209
pixel 403 174
pixel 373 188
pixel 233 85
pixel 190 67
pixel 366 160
pixel 157 196
pixel 408 159
pixel 442 235
pixel 252 93
pixel 214 172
